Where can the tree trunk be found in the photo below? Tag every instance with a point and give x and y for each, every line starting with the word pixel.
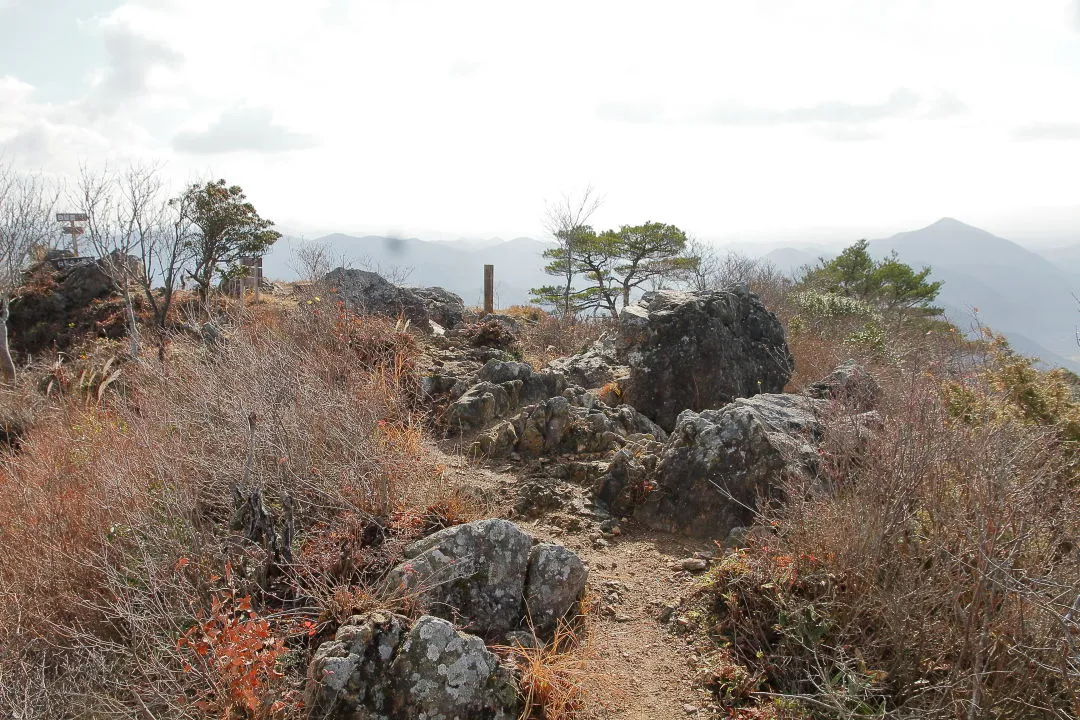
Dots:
pixel 7 365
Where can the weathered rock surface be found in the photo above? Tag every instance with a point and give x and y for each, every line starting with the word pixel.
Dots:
pixel 442 674
pixel 717 464
pixel 378 668
pixel 483 573
pixel 443 306
pixel 573 422
pixel 473 574
pixel 850 384
pixel 369 292
pixel 629 477
pixel 593 368
pixel 503 388
pixel 701 350
pixel 554 583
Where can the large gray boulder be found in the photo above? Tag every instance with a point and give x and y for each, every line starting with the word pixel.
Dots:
pixel 717 464
pixel 554 584
pixel 473 574
pixel 378 668
pixel 370 293
pixel 443 306
pixel 442 674
pixel 700 350
pixel 488 576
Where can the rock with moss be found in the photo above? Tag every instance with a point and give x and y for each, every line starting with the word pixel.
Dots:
pixel 553 586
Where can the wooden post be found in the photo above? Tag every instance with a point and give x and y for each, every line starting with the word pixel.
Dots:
pixel 489 289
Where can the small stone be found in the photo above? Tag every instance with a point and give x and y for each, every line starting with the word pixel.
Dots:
pixel 689 709
pixel 694 565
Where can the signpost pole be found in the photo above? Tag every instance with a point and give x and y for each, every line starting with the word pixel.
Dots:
pixel 489 289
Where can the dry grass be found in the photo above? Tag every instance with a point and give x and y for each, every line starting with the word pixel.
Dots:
pixel 930 572
pixel 545 337
pixel 122 529
pixel 558 679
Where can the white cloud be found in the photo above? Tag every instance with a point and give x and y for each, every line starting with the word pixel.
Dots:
pixel 245 129
pixel 1049 131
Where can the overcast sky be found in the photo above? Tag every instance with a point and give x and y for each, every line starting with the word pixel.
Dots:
pixel 726 118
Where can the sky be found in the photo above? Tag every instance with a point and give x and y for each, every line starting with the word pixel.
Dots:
pixel 441 119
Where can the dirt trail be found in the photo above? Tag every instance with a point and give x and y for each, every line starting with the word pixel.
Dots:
pixel 645 671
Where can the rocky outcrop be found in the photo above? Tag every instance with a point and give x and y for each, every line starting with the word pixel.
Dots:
pixel 628 478
pixel 370 293
pixel 701 350
pixel 574 422
pixel 377 667
pixel 483 575
pixel 443 306
pixel 593 368
pixel 850 384
pixel 717 464
pixel 504 387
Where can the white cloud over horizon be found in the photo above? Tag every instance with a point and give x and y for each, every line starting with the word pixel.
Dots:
pixel 464 117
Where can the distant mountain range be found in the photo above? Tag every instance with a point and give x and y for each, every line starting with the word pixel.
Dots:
pixel 1027 296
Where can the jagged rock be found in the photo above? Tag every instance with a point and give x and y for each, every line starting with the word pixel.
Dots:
pixel 851 384
pixel 628 478
pixel 485 574
pixel 443 306
pixel 503 388
pixel 700 350
pixel 350 674
pixel 474 573
pixel 442 674
pixel 554 584
pixel 378 668
pixel 370 293
pixel 593 368
pixel 574 422
pixel 480 404
pixel 717 464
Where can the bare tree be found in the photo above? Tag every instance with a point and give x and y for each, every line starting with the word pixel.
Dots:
pixel 26 206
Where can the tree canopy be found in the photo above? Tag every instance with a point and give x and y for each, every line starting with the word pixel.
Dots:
pixel 228 228
pixel 614 263
pixel 888 285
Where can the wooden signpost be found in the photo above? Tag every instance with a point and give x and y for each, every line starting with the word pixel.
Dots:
pixel 489 289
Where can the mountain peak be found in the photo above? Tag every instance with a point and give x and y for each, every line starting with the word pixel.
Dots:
pixel 949 222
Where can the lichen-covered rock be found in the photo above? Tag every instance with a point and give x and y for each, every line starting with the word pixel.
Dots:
pixel 473 574
pixel 717 464
pixel 352 670
pixel 442 674
pixel 850 384
pixel 554 584
pixel 370 293
pixel 700 350
pixel 378 668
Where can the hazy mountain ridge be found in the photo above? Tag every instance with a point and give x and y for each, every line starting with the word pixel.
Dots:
pixel 1019 292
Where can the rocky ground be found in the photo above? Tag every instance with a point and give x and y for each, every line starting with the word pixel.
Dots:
pixel 643 495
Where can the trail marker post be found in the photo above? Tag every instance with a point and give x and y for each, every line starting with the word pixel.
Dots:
pixel 489 289
pixel 71 228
